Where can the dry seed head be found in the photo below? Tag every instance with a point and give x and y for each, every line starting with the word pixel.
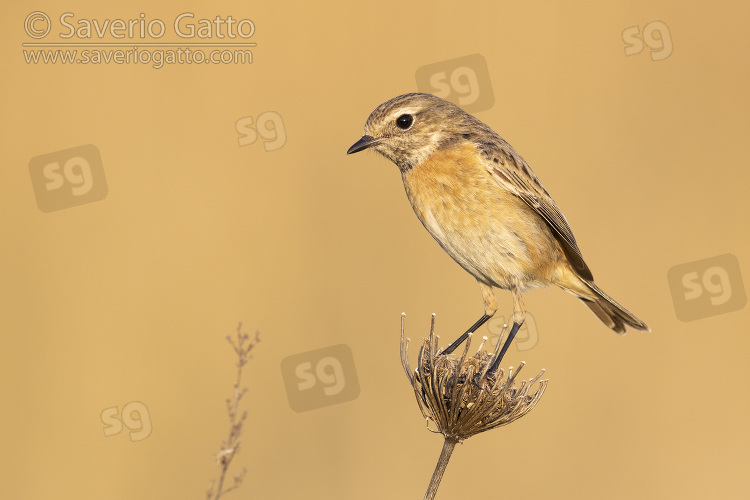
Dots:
pixel 459 396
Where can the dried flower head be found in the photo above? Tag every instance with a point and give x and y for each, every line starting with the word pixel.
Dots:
pixel 460 396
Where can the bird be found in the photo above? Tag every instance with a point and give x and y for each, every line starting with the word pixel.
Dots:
pixel 482 203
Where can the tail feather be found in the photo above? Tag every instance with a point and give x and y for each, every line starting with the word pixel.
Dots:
pixel 610 312
pixel 608 318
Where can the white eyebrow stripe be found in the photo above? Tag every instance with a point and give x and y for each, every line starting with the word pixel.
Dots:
pixel 410 110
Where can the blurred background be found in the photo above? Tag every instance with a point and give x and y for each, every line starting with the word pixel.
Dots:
pixel 150 205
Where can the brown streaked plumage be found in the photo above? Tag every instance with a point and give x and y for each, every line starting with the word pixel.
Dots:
pixel 484 205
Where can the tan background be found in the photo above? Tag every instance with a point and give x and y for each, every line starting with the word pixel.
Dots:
pixel 130 298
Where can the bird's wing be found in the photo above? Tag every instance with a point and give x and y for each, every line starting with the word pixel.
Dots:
pixel 510 170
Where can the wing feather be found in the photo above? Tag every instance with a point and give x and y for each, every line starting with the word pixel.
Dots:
pixel 510 170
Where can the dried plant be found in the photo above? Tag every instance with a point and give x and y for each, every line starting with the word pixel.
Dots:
pixel 462 397
pixel 242 345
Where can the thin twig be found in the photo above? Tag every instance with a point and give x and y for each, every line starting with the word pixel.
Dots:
pixel 230 446
pixel 445 455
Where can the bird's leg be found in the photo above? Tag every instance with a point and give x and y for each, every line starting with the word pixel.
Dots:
pixel 460 340
pixel 490 307
pixel 519 315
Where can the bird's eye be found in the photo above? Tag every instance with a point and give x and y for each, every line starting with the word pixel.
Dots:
pixel 404 121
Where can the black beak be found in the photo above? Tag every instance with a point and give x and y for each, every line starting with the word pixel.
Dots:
pixel 365 142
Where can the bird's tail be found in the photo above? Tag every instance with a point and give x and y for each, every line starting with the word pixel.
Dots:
pixel 605 307
pixel 609 311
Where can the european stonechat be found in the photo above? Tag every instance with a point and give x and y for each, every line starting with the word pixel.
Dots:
pixel 485 206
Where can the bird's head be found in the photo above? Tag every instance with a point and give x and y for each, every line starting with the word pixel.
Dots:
pixel 409 128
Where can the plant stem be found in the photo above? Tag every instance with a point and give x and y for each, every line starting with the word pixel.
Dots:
pixel 445 455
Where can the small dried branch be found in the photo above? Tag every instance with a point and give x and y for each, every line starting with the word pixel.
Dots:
pixel 445 455
pixel 242 346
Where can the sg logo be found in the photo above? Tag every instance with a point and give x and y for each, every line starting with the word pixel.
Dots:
pixel 527 336
pixel 707 287
pixel 68 178
pixel 318 378
pixel 464 81
pixel 661 45
pixel 134 416
pixel 270 128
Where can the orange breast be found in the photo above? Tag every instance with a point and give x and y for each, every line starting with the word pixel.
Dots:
pixel 489 231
